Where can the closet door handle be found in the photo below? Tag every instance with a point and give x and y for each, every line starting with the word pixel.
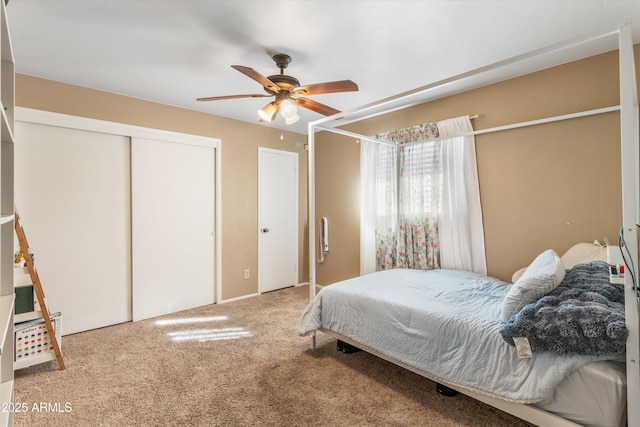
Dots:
pixel 265 230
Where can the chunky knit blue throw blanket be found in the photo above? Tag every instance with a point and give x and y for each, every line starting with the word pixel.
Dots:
pixel 584 315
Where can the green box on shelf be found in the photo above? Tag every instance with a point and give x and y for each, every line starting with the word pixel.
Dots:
pixel 24 299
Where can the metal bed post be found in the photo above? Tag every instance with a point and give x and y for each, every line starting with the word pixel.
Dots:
pixel 629 151
pixel 311 206
pixel 311 192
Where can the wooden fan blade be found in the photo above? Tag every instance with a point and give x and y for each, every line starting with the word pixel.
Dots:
pixel 218 98
pixel 328 87
pixel 315 106
pixel 250 72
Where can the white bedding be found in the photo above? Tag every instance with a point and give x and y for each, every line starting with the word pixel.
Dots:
pixel 592 396
pixel 442 322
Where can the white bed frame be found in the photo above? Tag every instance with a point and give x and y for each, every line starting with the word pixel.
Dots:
pixel 621 39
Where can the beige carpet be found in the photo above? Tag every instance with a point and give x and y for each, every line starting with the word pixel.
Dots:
pixel 134 374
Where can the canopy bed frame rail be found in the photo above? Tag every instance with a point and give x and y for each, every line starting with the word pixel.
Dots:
pixel 630 167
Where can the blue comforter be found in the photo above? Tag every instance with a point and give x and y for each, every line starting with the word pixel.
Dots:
pixel 444 323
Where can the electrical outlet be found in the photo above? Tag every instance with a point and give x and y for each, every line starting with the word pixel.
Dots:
pixel 247 273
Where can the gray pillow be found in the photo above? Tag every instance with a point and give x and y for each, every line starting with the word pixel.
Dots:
pixel 543 275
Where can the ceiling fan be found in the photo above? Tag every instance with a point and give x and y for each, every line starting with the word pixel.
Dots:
pixel 284 88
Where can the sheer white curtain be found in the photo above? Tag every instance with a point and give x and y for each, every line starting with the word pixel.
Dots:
pixel 461 230
pixel 367 207
pixel 378 205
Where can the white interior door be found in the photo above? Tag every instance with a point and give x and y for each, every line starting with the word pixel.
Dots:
pixel 278 218
pixel 73 195
pixel 173 189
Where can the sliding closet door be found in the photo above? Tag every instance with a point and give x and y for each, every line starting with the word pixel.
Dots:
pixel 173 224
pixel 73 195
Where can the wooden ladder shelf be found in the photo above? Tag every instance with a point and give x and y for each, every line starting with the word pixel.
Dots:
pixel 37 287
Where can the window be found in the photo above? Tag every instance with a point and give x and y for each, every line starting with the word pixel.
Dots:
pixel 420 179
pixel 408 188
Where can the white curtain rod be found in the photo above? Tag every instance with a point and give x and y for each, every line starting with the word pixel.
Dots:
pixel 489 130
pixel 371 138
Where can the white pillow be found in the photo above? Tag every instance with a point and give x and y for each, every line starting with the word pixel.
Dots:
pixel 543 275
pixel 518 274
pixel 583 253
pixel 580 253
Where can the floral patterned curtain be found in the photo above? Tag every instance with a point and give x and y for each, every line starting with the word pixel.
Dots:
pixel 406 228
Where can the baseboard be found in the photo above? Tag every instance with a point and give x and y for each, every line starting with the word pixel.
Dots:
pixel 224 301
pixel 257 294
pixel 307 284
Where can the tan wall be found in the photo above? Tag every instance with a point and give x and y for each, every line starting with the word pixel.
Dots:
pixel 240 142
pixel 338 199
pixel 548 186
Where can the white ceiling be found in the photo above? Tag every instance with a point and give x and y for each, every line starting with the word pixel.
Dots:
pixel 174 51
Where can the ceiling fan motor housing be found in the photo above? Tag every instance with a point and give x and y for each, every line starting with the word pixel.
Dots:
pixel 284 82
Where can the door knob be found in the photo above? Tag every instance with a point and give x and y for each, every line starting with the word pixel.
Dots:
pixel 265 230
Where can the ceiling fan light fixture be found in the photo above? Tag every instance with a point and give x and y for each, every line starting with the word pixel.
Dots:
pixel 288 109
pixel 291 120
pixel 268 112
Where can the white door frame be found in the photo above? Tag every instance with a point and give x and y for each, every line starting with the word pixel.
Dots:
pixel 30 115
pixel 295 156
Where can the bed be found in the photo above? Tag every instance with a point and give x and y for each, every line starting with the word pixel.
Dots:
pixel 447 326
pixel 610 382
